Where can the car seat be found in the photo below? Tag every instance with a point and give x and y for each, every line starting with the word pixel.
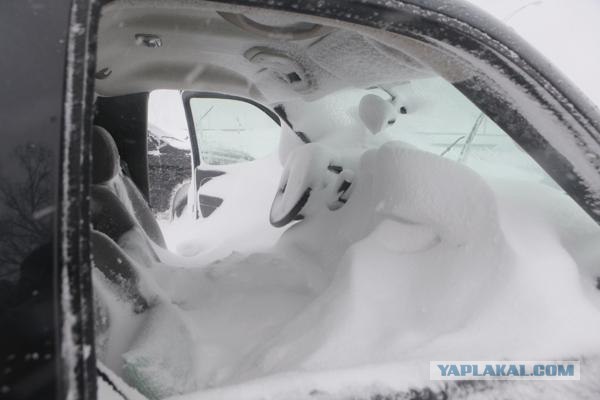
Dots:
pixel 117 204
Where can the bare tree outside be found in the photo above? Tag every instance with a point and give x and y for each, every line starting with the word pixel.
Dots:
pixel 25 205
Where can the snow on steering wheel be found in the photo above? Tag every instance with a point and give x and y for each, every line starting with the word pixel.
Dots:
pixel 310 169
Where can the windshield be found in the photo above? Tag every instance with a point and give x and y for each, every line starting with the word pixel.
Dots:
pixel 439 119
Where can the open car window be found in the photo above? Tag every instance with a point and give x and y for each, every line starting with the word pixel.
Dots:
pixel 230 131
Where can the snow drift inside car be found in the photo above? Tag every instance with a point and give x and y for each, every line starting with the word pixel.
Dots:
pixel 393 224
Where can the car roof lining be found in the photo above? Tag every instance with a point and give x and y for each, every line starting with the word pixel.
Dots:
pixel 203 51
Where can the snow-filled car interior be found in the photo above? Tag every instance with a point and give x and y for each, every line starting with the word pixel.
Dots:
pixel 292 206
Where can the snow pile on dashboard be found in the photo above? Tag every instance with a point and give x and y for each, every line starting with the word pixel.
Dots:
pixel 419 265
pixel 420 256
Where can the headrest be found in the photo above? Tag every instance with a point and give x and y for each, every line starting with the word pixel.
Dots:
pixel 105 156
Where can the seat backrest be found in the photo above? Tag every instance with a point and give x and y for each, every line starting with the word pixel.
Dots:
pixel 118 268
pixel 107 175
pixel 142 212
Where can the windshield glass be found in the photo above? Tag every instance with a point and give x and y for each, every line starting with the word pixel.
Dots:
pixel 436 117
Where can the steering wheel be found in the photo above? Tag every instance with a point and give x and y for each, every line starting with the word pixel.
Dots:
pixel 309 169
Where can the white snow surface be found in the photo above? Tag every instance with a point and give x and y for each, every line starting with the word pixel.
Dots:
pixel 240 224
pixel 359 300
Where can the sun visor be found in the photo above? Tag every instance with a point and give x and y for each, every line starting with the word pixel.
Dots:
pixel 361 61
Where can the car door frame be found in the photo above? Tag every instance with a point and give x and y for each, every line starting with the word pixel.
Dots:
pixel 76 317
